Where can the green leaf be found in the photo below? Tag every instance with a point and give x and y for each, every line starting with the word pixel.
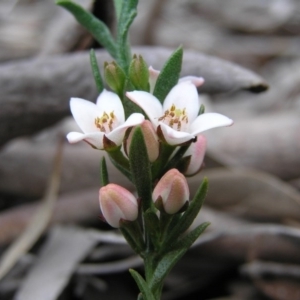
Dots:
pixel 164 154
pixel 164 266
pixel 176 158
pixel 187 241
pixel 133 234
pixel 118 8
pixel 169 75
pixel 142 284
pixel 103 172
pixel 96 27
pixel 188 216
pixel 152 227
pixel 96 72
pixel 140 168
pixel 128 13
pixel 120 162
pixel 169 260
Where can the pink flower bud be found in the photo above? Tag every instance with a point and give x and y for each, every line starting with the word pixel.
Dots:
pixel 173 190
pixel 117 203
pixel 197 152
pixel 151 140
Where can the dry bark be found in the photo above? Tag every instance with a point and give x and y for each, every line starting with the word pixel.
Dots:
pixel 269 143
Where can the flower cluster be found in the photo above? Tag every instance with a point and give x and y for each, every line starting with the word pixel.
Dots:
pixel 175 122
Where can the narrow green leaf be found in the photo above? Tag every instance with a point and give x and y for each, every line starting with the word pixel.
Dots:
pixel 128 13
pixel 142 284
pixel 169 75
pixel 96 72
pixel 140 168
pixel 176 158
pixel 118 8
pixel 120 162
pixel 188 216
pixel 96 27
pixel 164 154
pixel 187 241
pixel 152 227
pixel 164 266
pixel 133 235
pixel 169 260
pixel 103 172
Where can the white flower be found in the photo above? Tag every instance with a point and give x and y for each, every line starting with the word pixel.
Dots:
pixel 106 118
pixel 177 119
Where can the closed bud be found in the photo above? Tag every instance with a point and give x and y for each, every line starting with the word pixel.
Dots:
pixel 151 140
pixel 139 74
pixel 196 151
pixel 115 77
pixel 117 203
pixel 172 190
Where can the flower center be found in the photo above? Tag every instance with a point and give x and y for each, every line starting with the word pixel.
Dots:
pixel 106 122
pixel 175 118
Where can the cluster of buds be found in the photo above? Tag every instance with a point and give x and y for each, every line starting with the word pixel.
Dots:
pixel 170 195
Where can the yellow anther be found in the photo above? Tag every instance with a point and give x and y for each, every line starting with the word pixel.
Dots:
pixel 105 122
pixel 175 117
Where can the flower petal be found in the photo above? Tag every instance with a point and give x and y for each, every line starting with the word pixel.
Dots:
pixel 110 102
pixel 118 133
pixel 174 137
pixel 184 95
pixel 197 152
pixel 197 81
pixel 153 75
pixel 148 103
pixel 95 138
pixel 84 113
pixel 209 121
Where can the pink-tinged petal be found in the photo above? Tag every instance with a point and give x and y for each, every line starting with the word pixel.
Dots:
pixel 117 203
pixel 153 75
pixel 151 140
pixel 148 103
pixel 110 102
pixel 174 191
pixel 84 113
pixel 118 133
pixel 174 137
pixel 197 81
pixel 95 138
pixel 197 152
pixel 209 121
pixel 184 95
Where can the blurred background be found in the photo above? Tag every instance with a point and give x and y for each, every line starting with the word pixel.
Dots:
pixel 53 244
